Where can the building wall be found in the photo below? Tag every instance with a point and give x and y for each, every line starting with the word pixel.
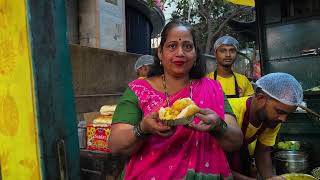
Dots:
pixel 112 25
pixel 72 21
pixel 87 23
pixel 102 24
pixel 99 76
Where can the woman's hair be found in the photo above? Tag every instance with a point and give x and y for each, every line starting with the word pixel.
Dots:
pixel 197 71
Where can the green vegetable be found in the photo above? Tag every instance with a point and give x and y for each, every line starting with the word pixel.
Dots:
pixel 288 145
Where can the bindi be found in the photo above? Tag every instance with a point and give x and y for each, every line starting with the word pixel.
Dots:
pixel 179 39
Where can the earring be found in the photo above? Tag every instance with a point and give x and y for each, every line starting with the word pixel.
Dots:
pixel 160 63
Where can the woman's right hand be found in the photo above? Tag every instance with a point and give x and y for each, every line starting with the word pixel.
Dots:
pixel 151 125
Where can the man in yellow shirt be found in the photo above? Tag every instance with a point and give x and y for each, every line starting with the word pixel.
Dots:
pixel 260 117
pixel 234 85
pixel 143 65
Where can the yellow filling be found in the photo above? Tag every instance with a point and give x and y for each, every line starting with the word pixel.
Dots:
pixel 181 108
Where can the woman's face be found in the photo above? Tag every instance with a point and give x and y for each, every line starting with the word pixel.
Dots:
pixel 178 53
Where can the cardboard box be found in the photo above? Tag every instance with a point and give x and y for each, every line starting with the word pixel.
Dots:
pixel 90 116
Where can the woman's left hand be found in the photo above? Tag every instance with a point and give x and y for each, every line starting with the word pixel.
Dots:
pixel 209 120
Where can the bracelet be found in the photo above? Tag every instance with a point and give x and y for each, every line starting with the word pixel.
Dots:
pixel 218 131
pixel 137 131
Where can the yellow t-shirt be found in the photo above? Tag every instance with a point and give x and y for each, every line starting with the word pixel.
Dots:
pixel 267 137
pixel 228 84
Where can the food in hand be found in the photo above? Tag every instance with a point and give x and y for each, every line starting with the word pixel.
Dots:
pixel 182 108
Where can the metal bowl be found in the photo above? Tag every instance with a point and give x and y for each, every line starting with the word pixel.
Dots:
pixel 291 162
pixel 294 176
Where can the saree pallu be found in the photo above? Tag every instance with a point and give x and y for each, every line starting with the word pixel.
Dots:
pixel 187 154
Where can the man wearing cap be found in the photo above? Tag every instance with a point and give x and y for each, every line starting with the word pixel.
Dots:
pixel 234 85
pixel 143 65
pixel 260 117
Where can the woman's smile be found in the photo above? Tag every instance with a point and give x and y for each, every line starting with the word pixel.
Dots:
pixel 179 62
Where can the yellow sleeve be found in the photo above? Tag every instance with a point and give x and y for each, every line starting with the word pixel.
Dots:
pixel 268 136
pixel 248 90
pixel 210 75
pixel 244 85
pixel 239 108
pixel 252 147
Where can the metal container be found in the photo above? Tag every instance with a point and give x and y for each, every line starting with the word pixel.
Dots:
pixel 82 134
pixel 291 162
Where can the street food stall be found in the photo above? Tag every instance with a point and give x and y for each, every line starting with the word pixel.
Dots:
pixel 288 33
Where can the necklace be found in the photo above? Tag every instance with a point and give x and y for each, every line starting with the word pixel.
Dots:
pixel 166 90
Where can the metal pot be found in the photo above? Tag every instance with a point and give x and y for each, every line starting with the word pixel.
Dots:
pixel 291 162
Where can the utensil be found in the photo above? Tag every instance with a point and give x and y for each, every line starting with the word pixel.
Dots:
pixel 295 176
pixel 310 111
pixel 291 162
pixel 179 121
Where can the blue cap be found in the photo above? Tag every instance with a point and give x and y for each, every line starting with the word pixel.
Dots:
pixel 143 60
pixel 226 40
pixel 282 87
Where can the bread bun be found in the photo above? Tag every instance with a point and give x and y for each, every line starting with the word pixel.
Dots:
pixel 181 108
pixel 107 109
pixel 102 120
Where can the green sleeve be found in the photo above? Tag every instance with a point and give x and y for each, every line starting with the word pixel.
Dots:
pixel 227 107
pixel 128 110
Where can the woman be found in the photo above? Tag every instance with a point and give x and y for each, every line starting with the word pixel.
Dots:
pixel 161 152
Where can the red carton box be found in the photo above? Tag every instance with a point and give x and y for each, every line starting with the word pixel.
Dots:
pixel 97 137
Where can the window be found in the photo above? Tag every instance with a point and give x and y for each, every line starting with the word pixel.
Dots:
pixel 299 8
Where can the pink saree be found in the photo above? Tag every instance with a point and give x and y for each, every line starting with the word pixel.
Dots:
pixel 187 154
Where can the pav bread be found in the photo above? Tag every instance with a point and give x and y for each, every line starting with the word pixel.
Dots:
pixel 181 111
pixel 102 120
pixel 107 109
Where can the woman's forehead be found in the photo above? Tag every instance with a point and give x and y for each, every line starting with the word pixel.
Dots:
pixel 179 33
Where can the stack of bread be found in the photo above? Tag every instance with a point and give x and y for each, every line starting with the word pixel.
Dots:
pixel 98 131
pixel 105 117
